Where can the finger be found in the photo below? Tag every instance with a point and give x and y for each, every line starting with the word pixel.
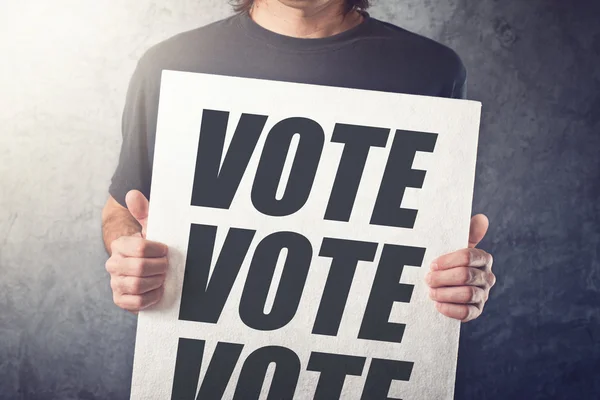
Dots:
pixel 458 294
pixel 142 267
pixel 138 205
pixel 134 303
pixel 479 226
pixel 134 246
pixel 135 284
pixel 139 267
pixel 461 276
pixel 462 312
pixel 463 258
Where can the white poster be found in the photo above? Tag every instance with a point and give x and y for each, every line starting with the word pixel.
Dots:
pixel 301 221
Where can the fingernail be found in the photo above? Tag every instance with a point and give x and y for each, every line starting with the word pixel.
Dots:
pixel 428 277
pixel 434 266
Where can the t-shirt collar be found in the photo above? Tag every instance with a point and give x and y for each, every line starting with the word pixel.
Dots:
pixel 290 43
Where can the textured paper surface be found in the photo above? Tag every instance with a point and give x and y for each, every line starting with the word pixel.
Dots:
pixel 444 206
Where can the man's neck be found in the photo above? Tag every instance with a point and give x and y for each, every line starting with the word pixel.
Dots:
pixel 304 18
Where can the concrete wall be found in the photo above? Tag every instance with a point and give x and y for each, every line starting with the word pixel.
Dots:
pixel 64 68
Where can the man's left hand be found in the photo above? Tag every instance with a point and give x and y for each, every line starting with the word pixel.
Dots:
pixel 460 282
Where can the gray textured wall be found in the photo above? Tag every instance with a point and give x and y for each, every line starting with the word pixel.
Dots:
pixel 64 68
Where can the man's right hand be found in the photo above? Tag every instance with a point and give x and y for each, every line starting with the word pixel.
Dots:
pixel 137 266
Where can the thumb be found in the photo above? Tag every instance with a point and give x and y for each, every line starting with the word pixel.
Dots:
pixel 478 229
pixel 137 204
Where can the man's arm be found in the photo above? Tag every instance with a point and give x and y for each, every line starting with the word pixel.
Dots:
pixel 117 221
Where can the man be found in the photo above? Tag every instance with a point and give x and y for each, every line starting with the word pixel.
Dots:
pixel 324 42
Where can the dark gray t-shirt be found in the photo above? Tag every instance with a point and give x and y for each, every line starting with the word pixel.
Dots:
pixel 374 55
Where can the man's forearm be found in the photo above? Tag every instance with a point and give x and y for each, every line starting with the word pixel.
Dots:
pixel 117 223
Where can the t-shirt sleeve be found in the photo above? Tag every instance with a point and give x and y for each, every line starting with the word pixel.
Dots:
pixel 134 168
pixel 459 88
